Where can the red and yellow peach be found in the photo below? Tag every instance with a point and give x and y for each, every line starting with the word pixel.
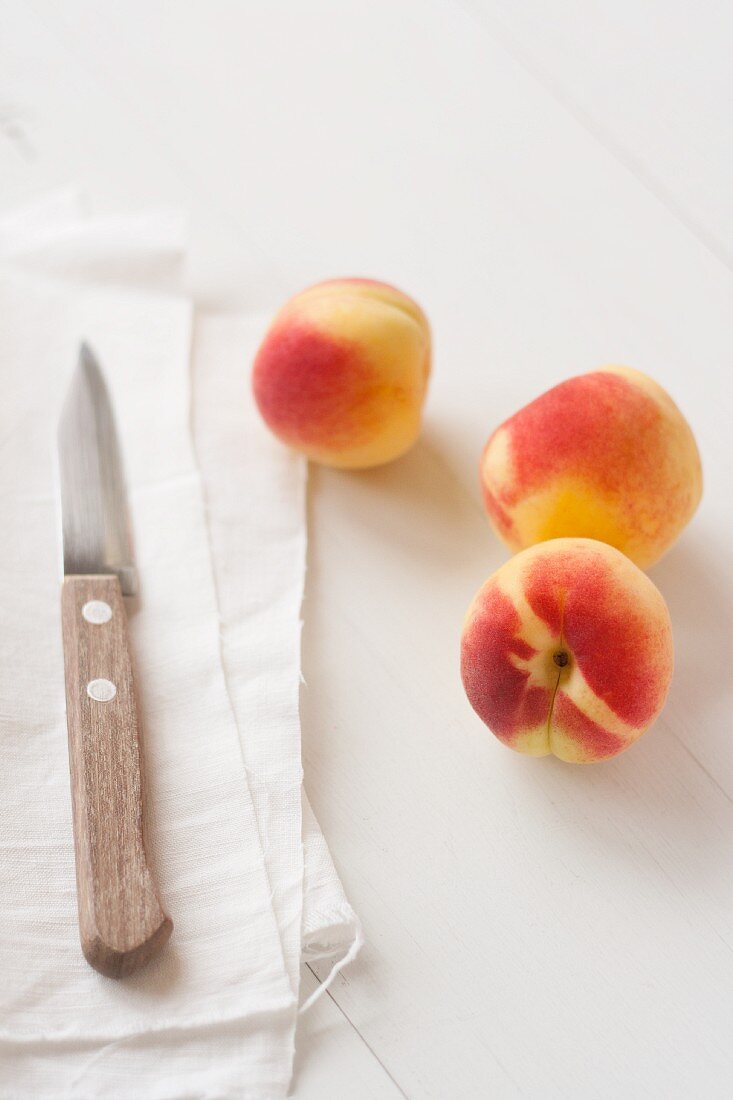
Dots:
pixel 567 649
pixel 606 455
pixel 342 372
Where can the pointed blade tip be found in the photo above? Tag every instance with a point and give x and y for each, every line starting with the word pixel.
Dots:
pixel 87 361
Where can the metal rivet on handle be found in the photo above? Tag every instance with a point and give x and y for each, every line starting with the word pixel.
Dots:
pixel 97 611
pixel 101 690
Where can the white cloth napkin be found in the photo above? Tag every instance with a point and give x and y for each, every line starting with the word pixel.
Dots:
pixel 220 539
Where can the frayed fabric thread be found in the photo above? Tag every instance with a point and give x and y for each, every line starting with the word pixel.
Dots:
pixel 355 947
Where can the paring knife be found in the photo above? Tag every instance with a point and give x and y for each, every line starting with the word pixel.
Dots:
pixel 121 921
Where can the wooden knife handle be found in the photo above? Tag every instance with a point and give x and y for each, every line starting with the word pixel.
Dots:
pixel 121 922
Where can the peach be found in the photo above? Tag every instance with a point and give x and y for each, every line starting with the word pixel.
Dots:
pixel 567 649
pixel 606 455
pixel 342 373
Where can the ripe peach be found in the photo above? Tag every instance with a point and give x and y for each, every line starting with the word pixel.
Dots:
pixel 342 373
pixel 606 455
pixel 567 649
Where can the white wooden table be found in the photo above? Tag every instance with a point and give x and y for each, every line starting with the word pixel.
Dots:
pixel 553 184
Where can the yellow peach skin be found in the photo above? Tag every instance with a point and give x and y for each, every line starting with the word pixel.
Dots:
pixel 606 455
pixel 342 373
pixel 567 649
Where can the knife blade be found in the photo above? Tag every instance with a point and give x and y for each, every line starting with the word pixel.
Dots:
pixel 95 527
pixel 121 920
